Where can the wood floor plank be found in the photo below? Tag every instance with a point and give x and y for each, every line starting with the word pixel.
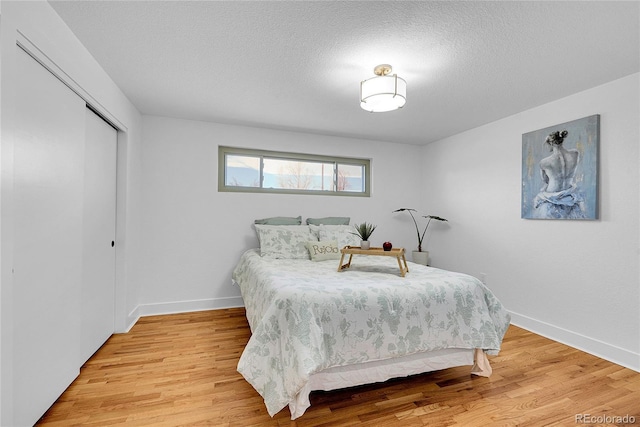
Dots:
pixel 180 370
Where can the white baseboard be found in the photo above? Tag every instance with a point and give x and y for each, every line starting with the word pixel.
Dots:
pixel 181 307
pixel 132 318
pixel 612 353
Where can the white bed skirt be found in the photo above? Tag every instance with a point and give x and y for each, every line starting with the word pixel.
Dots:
pixel 383 370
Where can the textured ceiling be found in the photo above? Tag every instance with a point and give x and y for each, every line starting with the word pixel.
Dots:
pixel 297 64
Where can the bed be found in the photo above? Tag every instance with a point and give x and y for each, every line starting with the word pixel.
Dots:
pixel 315 328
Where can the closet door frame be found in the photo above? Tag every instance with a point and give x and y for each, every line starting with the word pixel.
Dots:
pixel 123 319
pixel 18 30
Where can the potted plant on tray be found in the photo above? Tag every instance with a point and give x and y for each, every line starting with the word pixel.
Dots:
pixel 364 231
pixel 420 256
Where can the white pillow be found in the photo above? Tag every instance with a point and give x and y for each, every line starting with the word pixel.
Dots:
pixel 322 251
pixel 315 229
pixel 340 233
pixel 284 241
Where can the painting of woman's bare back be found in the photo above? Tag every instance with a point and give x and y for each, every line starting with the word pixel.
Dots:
pixel 560 171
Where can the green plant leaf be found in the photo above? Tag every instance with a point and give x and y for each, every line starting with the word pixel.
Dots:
pixel 364 230
pixel 424 231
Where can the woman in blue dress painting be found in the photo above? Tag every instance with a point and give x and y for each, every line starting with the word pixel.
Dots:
pixel 559 198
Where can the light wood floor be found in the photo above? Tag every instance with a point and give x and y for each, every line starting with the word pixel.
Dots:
pixel 180 370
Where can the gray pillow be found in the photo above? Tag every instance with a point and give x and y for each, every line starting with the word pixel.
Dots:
pixel 329 220
pixel 279 220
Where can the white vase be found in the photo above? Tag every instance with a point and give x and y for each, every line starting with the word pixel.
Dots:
pixel 420 257
pixel 365 244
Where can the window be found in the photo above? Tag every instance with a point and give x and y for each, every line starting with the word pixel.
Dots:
pixel 246 170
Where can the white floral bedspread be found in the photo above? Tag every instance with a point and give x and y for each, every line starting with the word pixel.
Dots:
pixel 306 316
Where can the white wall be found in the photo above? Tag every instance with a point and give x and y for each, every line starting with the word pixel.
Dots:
pixel 35 25
pixel 178 238
pixel 574 281
pixel 193 235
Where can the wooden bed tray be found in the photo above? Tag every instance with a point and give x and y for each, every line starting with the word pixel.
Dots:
pixel 398 253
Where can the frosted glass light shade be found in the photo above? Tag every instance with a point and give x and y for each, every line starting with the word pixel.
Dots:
pixel 383 93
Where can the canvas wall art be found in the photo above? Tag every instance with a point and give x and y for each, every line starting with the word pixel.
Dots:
pixel 560 171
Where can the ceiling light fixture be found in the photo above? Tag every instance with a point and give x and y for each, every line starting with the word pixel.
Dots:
pixel 385 92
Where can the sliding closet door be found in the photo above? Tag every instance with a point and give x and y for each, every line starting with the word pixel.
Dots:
pixel 98 278
pixel 48 201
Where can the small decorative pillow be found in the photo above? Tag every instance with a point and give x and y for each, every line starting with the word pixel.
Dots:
pixel 340 233
pixel 329 220
pixel 322 251
pixel 284 241
pixel 280 220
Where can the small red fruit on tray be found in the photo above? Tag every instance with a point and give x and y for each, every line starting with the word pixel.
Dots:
pixel 387 246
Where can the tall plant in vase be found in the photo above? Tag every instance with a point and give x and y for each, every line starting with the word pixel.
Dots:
pixel 420 256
